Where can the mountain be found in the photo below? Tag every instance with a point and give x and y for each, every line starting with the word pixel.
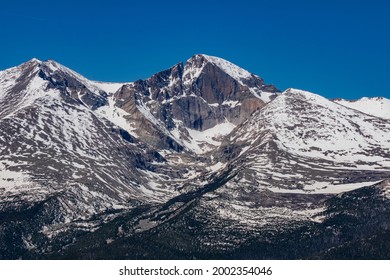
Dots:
pixel 304 142
pixel 57 150
pixel 202 160
pixel 207 94
pixel 376 106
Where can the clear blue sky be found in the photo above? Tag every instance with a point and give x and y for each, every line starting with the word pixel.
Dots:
pixel 335 48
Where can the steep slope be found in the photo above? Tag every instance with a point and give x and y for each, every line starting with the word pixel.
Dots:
pixel 292 153
pixel 304 141
pixel 57 151
pixel 377 106
pixel 191 106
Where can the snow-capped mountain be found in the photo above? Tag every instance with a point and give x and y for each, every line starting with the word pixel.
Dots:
pixel 376 106
pixel 55 147
pixel 191 106
pixel 305 130
pixel 203 154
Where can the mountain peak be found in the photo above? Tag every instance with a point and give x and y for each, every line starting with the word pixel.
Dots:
pixel 50 64
pixel 375 106
pixel 230 68
pixel 298 93
pixel 35 60
pixel 28 65
pixel 378 98
pixel 236 72
pixel 55 66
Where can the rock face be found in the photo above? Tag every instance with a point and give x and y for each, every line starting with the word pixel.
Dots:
pixel 200 95
pixel 205 92
pixel 202 160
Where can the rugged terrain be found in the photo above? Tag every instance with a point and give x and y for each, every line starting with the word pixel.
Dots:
pixel 202 160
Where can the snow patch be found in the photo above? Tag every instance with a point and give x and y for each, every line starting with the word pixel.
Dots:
pixel 115 115
pixel 216 167
pixel 325 188
pixel 107 87
pixel 10 179
pixel 231 103
pixel 211 136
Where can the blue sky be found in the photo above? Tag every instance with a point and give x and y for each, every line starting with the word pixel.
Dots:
pixel 334 48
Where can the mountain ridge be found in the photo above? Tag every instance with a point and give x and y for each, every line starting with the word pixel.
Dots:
pixel 204 144
pixel 375 106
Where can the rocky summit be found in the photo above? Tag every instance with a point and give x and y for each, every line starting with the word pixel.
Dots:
pixel 203 160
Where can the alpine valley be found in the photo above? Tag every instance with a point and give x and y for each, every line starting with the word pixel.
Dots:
pixel 200 161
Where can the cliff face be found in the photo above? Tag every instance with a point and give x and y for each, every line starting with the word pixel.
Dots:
pixel 200 94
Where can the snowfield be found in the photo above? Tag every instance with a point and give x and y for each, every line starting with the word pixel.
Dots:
pixel 376 106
